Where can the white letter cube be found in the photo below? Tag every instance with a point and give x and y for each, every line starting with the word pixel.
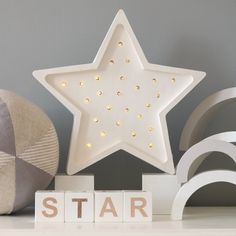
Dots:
pixel 108 206
pixel 137 206
pixel 74 183
pixel 79 206
pixel 49 206
pixel 164 188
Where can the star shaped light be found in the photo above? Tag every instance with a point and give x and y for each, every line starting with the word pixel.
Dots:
pixel 119 101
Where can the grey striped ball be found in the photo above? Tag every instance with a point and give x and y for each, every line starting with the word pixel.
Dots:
pixel 29 151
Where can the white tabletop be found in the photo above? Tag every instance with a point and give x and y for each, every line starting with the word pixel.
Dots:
pixel 197 221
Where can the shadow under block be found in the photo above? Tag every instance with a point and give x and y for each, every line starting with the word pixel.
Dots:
pixel 79 206
pixel 164 188
pixel 49 206
pixel 74 183
pixel 108 206
pixel 137 206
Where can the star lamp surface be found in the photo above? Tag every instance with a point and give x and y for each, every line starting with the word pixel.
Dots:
pixel 119 101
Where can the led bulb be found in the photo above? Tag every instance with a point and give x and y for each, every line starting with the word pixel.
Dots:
pixel 96 120
pixel 64 83
pixel 133 133
pixel 173 80
pixel 148 105
pixel 137 87
pixel 158 94
pixel 88 145
pixel 97 77
pixel 118 123
pixel 150 129
pixel 103 134
pixel 126 109
pixel 81 83
pixel 118 93
pixel 111 62
pixel 127 60
pixel 99 93
pixel 122 77
pixel 154 80
pixel 109 107
pixel 150 145
pixel 139 116
pixel 87 100
pixel 120 44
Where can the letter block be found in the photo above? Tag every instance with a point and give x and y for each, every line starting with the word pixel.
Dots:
pixel 75 183
pixel 79 206
pixel 137 206
pixel 108 206
pixel 49 206
pixel 164 188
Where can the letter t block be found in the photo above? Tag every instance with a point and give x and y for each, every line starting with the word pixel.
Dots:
pixel 79 206
pixel 137 206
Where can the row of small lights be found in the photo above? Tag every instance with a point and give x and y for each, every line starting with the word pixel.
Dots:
pixel 89 145
pixel 98 77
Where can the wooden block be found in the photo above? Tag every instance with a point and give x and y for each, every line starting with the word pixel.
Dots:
pixel 79 207
pixel 164 188
pixel 108 206
pixel 137 206
pixel 74 183
pixel 49 206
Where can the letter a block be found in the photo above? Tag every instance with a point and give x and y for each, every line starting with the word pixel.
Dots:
pixel 108 206
pixel 49 206
pixel 137 206
pixel 79 206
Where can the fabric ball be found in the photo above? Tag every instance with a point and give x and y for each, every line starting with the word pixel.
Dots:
pixel 29 152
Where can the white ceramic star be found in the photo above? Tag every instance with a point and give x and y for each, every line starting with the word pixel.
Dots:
pixel 119 101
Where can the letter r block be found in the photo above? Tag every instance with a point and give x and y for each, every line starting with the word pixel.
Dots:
pixel 49 206
pixel 79 206
pixel 137 206
pixel 108 206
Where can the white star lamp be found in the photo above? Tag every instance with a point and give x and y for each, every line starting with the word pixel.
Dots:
pixel 119 101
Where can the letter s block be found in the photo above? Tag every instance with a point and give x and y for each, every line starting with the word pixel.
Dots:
pixel 79 206
pixel 137 206
pixel 49 206
pixel 108 206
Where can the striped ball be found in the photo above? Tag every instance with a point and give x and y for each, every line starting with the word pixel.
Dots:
pixel 29 152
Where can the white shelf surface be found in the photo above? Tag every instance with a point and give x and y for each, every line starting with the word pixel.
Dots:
pixel 197 221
